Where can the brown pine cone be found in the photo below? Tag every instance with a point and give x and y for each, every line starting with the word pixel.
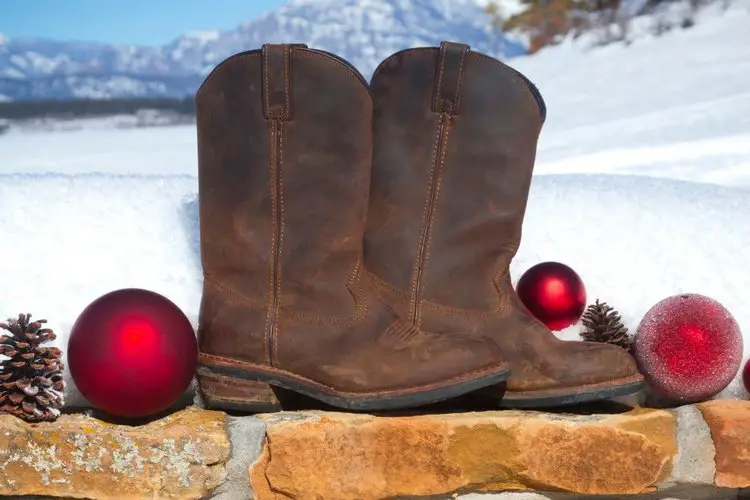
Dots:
pixel 31 379
pixel 603 324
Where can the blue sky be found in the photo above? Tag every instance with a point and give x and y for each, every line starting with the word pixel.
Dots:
pixel 144 22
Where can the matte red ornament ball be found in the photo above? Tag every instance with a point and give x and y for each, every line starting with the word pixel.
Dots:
pixel 132 353
pixel 689 347
pixel 553 293
pixel 746 376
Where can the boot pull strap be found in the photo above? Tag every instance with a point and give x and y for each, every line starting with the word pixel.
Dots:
pixel 450 72
pixel 277 86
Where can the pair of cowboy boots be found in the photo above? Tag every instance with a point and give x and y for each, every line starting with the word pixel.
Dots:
pixel 356 238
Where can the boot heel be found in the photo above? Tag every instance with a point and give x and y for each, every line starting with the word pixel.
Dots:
pixel 222 392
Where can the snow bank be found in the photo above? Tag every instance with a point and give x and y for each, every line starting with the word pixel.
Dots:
pixel 67 239
pixel 636 240
pixel 137 151
pixel 675 106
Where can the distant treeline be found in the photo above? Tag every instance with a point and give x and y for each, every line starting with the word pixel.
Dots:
pixel 20 110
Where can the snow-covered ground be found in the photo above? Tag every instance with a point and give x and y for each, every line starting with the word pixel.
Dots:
pixel 674 106
pixel 642 185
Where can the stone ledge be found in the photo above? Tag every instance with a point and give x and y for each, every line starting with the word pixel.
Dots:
pixel 179 456
pixel 367 457
pixel 326 455
pixel 729 422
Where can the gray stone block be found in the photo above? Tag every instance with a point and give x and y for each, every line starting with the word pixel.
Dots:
pixel 694 462
pixel 247 435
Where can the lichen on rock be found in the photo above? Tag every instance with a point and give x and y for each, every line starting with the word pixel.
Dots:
pixel 179 456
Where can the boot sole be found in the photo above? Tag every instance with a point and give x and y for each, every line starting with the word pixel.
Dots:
pixel 570 396
pixel 373 401
pixel 236 394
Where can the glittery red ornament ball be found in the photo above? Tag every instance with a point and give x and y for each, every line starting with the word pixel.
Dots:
pixel 553 293
pixel 132 353
pixel 689 347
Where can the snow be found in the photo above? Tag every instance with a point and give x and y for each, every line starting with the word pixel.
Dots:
pixel 203 36
pixel 68 239
pixel 642 185
pixel 635 240
pixel 11 73
pixel 674 106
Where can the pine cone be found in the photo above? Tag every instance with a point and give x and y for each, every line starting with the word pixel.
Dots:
pixel 31 380
pixel 603 324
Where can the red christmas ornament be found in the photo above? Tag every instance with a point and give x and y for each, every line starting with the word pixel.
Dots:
pixel 689 347
pixel 553 293
pixel 132 353
pixel 746 376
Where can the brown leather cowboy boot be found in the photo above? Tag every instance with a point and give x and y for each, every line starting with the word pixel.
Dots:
pixel 285 153
pixel 455 141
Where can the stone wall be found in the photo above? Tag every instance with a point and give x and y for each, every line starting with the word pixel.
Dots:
pixel 700 451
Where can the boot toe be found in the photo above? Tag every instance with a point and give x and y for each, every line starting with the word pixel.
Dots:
pixel 601 372
pixel 554 364
pixel 603 362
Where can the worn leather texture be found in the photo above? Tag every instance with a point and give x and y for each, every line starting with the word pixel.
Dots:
pixel 285 156
pixel 455 139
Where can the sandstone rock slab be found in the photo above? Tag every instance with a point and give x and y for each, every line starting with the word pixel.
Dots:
pixel 180 456
pixel 729 421
pixel 341 456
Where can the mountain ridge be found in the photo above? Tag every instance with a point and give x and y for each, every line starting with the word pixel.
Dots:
pixel 362 31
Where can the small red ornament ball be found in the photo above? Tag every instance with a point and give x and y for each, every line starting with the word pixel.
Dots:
pixel 689 347
pixel 132 353
pixel 553 293
pixel 746 376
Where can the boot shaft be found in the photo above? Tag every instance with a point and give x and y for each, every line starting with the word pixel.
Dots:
pixel 284 147
pixel 455 142
pixel 285 152
pixel 284 155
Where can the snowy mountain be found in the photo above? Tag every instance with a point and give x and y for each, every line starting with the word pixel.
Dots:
pixel 362 31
